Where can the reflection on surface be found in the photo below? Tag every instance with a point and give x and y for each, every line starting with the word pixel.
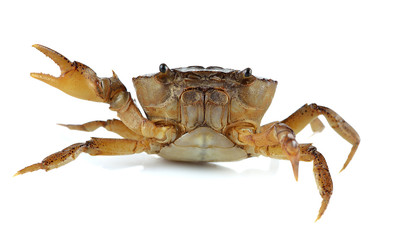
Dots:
pixel 154 164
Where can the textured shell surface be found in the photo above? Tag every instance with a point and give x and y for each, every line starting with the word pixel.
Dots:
pixel 195 96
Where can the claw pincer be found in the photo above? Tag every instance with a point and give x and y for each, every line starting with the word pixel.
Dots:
pixel 76 79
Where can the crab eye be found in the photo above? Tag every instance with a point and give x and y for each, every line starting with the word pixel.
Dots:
pixel 245 76
pixel 247 72
pixel 165 75
pixel 163 68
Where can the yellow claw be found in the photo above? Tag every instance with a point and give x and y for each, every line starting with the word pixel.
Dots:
pixel 64 64
pixel 76 79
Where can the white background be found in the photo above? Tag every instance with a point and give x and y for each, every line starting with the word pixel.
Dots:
pixel 348 55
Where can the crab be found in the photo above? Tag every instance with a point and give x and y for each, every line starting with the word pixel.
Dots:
pixel 193 114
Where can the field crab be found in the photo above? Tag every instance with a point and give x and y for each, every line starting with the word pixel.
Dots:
pixel 193 114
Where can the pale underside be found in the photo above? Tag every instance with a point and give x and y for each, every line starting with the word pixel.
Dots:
pixel 203 145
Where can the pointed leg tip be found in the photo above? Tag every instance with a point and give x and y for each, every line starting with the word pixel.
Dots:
pixel 319 216
pixel 295 171
pixel 20 172
pixel 292 151
pixel 295 164
pixel 72 127
pixel 323 207
pixel 31 168
pixel 343 168
pixel 350 156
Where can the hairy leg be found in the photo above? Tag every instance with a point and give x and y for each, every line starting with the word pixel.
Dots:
pixel 112 125
pixel 95 146
pixel 277 140
pixel 310 112
pixel 308 153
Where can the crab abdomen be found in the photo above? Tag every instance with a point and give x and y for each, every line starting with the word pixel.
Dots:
pixel 203 145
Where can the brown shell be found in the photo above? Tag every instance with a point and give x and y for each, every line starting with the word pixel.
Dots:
pixel 195 96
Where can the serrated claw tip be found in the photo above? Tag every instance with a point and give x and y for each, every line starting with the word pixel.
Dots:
pixel 64 64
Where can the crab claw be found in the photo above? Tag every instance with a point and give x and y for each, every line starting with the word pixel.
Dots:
pixel 76 79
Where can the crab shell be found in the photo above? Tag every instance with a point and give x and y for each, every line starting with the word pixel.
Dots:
pixel 204 103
